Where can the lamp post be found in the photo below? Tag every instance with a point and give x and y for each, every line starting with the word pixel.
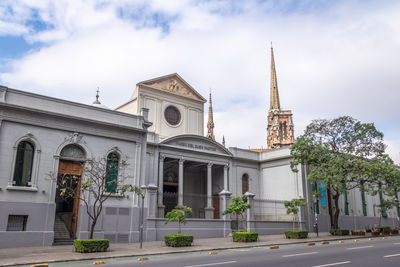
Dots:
pixel 143 187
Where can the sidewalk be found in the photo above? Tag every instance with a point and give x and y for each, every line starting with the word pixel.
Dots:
pixel 32 255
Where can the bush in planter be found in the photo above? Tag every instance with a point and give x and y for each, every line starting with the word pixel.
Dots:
pixel 245 237
pixel 91 245
pixel 375 233
pixel 297 234
pixel 394 232
pixel 178 240
pixel 339 231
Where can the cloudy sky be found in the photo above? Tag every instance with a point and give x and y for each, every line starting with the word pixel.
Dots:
pixel 333 57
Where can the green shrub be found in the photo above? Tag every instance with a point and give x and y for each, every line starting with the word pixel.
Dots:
pixel 245 237
pixel 91 245
pixel 297 234
pixel 384 228
pixel 178 240
pixel 339 231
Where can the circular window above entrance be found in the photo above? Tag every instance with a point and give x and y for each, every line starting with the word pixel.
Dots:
pixel 172 115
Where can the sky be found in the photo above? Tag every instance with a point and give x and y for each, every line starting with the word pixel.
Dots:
pixel 333 58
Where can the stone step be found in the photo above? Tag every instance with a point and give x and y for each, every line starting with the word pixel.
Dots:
pixel 63 241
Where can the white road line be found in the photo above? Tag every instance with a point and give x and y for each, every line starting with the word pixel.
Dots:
pixel 393 255
pixel 332 264
pixel 361 247
pixel 396 243
pixel 300 254
pixel 210 264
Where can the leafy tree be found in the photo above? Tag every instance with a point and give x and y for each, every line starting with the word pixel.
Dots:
pixel 344 153
pixel 178 215
pixel 238 206
pixel 95 186
pixel 292 207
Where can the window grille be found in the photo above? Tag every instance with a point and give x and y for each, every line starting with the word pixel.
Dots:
pixel 17 222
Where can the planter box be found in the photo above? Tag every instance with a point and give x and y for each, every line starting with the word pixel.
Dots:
pixel 395 232
pixel 358 233
pixel 375 233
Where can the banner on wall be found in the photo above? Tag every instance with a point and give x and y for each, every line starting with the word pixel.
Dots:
pixel 322 192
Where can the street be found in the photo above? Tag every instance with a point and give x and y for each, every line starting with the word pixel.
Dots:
pixel 377 252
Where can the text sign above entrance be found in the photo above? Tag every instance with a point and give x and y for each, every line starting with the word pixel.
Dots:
pixel 196 146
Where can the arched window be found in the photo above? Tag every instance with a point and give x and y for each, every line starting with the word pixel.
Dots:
pixel 112 172
pixel 245 183
pixel 23 164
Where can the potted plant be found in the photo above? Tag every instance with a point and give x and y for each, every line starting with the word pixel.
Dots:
pixel 292 207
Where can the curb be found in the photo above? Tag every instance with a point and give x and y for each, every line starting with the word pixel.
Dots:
pixel 188 251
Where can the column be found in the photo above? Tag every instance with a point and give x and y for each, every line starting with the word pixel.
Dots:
pixel 250 213
pixel 180 184
pixel 226 178
pixel 160 205
pixel 225 201
pixel 209 210
pixel 150 232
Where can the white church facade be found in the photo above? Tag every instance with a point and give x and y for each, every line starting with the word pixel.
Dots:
pixel 159 133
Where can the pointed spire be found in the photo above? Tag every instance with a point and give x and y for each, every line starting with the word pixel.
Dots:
pixel 274 98
pixel 223 140
pixel 210 123
pixel 97 97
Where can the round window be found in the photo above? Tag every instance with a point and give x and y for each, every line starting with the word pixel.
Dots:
pixel 172 115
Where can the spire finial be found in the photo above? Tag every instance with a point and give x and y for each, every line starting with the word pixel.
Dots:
pixel 274 97
pixel 97 97
pixel 210 123
pixel 223 140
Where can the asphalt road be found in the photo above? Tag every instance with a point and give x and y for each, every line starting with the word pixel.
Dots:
pixel 365 253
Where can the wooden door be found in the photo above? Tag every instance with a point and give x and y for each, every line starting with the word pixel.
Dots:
pixel 73 168
pixel 216 206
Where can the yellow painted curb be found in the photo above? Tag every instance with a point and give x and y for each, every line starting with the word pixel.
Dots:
pixel 356 240
pixel 212 253
pixel 274 247
pixel 143 259
pixel 98 262
pixel 341 241
pixel 324 243
pixel 41 265
pixel 310 244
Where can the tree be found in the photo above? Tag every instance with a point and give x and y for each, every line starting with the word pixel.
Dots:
pixel 96 186
pixel 178 215
pixel 344 153
pixel 385 206
pixel 238 206
pixel 292 207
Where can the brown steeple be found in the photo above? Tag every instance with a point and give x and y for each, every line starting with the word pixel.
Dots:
pixel 280 123
pixel 274 100
pixel 210 123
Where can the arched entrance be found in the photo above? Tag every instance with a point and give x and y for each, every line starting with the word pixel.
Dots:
pixel 69 175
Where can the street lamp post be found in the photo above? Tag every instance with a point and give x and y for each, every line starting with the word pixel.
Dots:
pixel 143 187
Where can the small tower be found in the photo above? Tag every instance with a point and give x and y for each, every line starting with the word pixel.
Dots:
pixel 210 123
pixel 280 123
pixel 223 140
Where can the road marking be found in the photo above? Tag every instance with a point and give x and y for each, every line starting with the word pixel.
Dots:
pixel 300 254
pixel 396 243
pixel 393 255
pixel 331 264
pixel 361 247
pixel 210 264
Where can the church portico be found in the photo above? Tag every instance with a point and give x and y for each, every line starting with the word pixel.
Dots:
pixel 192 172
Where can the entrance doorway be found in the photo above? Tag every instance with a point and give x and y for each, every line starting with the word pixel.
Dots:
pixel 67 206
pixel 70 170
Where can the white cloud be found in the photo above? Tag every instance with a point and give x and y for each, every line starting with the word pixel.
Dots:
pixel 342 60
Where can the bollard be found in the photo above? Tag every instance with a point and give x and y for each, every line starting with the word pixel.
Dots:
pixel 143 259
pixel 324 243
pixel 98 262
pixel 274 247
pixel 212 253
pixel 310 244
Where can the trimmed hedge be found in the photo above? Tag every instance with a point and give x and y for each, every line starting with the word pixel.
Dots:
pixel 297 234
pixel 91 245
pixel 245 237
pixel 178 240
pixel 339 231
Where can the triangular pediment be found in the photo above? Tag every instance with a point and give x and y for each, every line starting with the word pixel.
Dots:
pixel 174 83
pixel 196 143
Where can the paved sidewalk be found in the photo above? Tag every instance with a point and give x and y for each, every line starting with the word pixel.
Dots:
pixel 32 255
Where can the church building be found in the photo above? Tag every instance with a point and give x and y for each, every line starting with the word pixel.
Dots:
pixel 159 133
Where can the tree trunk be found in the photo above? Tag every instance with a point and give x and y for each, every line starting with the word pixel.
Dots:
pixel 380 220
pixel 293 222
pixel 328 195
pixel 93 224
pixel 237 222
pixel 335 219
pixel 179 228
